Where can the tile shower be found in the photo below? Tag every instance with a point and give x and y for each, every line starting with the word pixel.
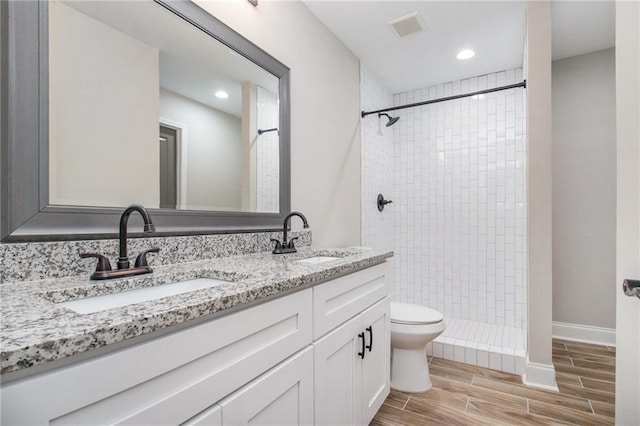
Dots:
pixel 456 172
pixel 268 152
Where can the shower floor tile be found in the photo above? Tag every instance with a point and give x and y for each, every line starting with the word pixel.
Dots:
pixel 487 345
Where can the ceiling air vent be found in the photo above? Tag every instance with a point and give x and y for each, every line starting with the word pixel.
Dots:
pixel 408 24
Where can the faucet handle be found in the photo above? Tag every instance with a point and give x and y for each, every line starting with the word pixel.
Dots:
pixel 103 261
pixel 278 243
pixel 141 260
pixel 290 243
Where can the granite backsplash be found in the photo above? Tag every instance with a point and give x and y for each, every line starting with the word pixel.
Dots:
pixel 56 259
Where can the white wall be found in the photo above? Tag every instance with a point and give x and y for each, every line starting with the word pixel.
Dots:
pixel 460 232
pixel 325 139
pixel 539 367
pixel 584 196
pixel 214 152
pixel 103 110
pixel 377 165
pixel 628 211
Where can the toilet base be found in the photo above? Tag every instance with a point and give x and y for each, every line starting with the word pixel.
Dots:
pixel 409 370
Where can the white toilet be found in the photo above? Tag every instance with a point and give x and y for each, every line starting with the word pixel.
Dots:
pixel 412 327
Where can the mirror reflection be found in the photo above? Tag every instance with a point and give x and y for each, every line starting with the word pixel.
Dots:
pixel 146 108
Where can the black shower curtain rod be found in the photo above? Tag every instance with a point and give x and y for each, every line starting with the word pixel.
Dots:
pixel 522 84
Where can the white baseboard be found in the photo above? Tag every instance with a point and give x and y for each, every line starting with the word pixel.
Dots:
pixel 540 376
pixel 584 333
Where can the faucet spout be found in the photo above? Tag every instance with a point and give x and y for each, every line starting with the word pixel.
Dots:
pixel 287 246
pixel 123 259
pixel 287 219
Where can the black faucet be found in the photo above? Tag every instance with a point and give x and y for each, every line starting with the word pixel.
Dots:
pixel 123 260
pixel 103 269
pixel 288 246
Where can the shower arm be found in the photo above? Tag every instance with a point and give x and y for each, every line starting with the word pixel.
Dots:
pixel 260 131
pixel 522 84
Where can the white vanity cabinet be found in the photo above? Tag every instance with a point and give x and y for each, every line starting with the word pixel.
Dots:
pixel 351 366
pixel 267 364
pixel 169 379
pixel 282 396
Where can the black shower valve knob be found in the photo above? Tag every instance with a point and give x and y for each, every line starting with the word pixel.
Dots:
pixel 382 202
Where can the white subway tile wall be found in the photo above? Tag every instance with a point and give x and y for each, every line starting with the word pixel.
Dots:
pixel 458 215
pixel 268 152
pixel 460 235
pixel 376 164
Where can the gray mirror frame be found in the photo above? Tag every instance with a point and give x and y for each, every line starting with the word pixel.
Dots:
pixel 24 123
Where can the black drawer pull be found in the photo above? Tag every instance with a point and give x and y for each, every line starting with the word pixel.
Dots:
pixel 631 287
pixel 361 353
pixel 370 345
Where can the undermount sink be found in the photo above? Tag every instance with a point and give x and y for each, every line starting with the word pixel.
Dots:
pixel 317 259
pixel 129 297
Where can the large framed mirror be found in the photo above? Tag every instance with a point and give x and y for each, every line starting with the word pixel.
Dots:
pixel 106 104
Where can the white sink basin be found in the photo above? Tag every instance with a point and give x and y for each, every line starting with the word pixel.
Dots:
pixel 116 300
pixel 317 259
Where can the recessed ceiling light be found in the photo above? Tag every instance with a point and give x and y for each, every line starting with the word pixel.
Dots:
pixel 222 94
pixel 465 54
pixel 477 97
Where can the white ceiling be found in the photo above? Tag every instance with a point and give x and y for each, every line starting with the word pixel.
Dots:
pixel 494 30
pixel 192 63
pixel 581 27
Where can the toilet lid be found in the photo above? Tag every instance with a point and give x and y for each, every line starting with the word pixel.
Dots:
pixel 405 313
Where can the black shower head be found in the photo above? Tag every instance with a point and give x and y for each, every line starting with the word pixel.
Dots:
pixel 392 120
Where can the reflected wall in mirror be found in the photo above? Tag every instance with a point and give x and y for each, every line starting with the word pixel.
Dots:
pixel 146 108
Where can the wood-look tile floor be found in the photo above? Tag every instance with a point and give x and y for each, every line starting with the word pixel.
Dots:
pixel 468 395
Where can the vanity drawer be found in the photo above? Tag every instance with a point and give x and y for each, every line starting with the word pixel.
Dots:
pixel 169 379
pixel 338 300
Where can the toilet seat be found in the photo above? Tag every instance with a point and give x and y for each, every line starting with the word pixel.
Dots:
pixel 405 313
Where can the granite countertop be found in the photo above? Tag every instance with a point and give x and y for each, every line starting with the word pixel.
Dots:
pixel 35 330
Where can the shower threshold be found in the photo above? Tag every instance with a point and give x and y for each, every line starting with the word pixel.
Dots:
pixel 492 346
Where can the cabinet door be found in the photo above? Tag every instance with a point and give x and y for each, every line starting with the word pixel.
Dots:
pixel 281 396
pixel 376 363
pixel 212 416
pixel 337 376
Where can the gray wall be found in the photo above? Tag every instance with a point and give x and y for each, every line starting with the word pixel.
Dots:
pixel 90 60
pixel 584 189
pixel 325 112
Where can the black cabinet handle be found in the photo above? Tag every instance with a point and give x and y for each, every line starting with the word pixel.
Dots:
pixel 361 353
pixel 370 345
pixel 631 287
